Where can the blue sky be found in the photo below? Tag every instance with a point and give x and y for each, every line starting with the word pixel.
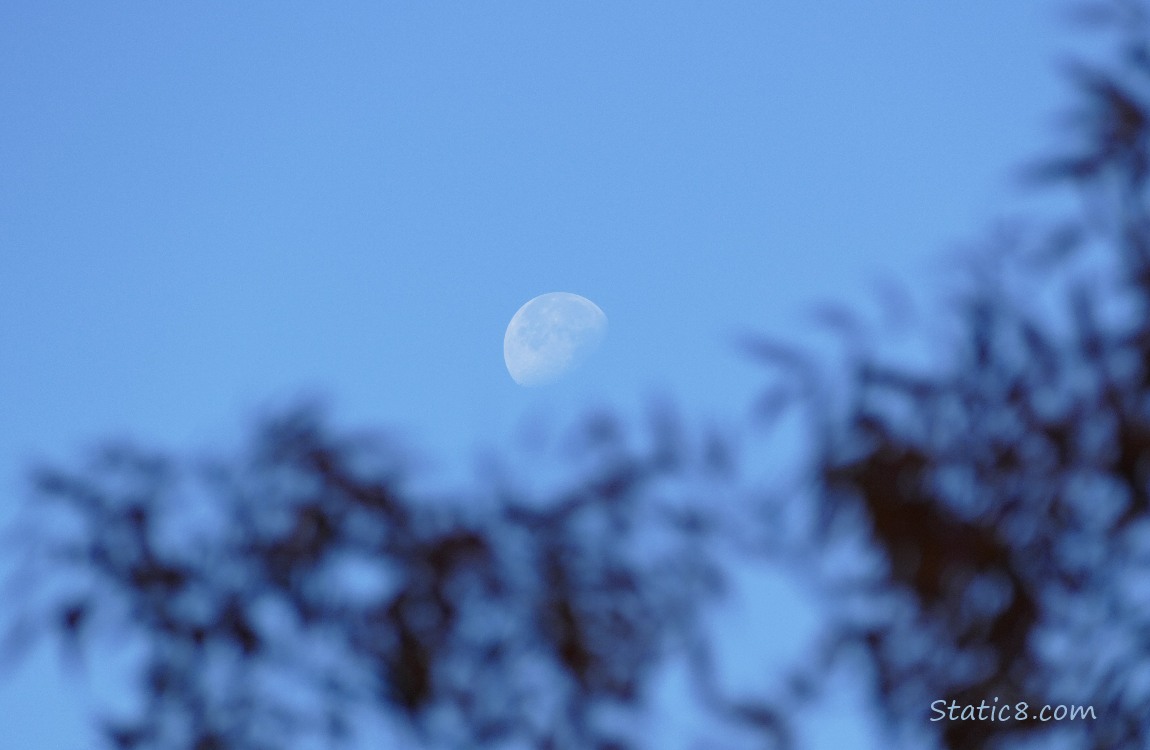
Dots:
pixel 209 208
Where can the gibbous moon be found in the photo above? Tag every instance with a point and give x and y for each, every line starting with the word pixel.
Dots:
pixel 551 334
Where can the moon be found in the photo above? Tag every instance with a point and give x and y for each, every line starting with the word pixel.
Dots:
pixel 550 335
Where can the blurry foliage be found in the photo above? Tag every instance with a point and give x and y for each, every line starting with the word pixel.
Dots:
pixel 1007 490
pixel 998 505
pixel 280 593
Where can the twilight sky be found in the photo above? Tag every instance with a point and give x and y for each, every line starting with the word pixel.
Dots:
pixel 209 208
